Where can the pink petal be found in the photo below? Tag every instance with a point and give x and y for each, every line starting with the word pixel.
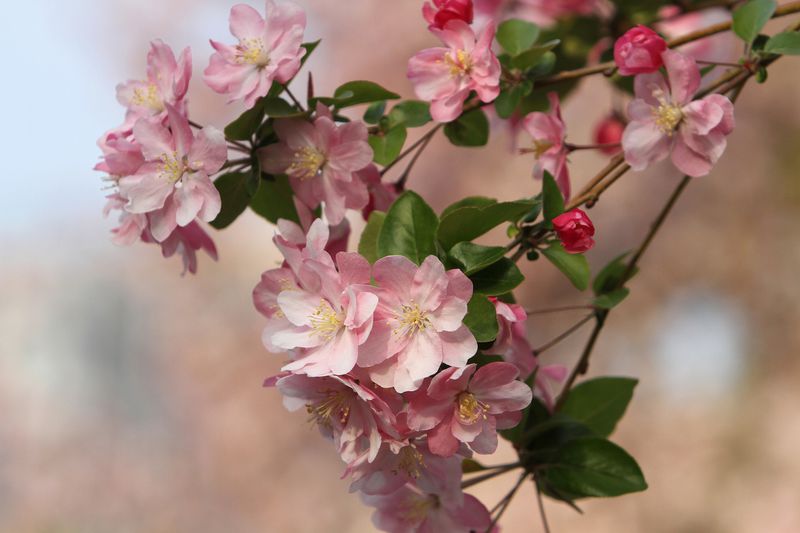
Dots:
pixel 246 22
pixel 458 346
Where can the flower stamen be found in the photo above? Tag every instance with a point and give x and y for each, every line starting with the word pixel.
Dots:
pixel 470 409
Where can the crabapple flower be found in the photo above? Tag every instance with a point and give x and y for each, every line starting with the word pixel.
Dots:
pixel 381 195
pixel 548 132
pixel 174 184
pixel 673 23
pixel 541 12
pixel 441 12
pixel 166 84
pixel 575 230
pixel 269 49
pixel 130 226
pixel 321 159
pixel 665 120
pixel 469 406
pixel 410 509
pixel 446 76
pixel 638 51
pixel 186 241
pixel 418 322
pixel 122 156
pixel 345 411
pixel 609 132
pixel 546 378
pixel 512 340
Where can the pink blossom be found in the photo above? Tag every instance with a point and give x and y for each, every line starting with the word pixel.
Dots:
pixel 541 12
pixel 418 323
pixel 268 49
pixel 548 132
pixel 350 414
pixel 411 510
pixel 381 195
pixel 465 405
pixel 186 241
pixel 575 230
pixel 321 159
pixel 441 12
pixel 717 48
pixel 609 132
pixel 546 378
pixel 638 51
pixel 665 119
pixel 174 184
pixel 122 155
pixel 166 84
pixel 131 226
pixel 446 76
pixel 512 339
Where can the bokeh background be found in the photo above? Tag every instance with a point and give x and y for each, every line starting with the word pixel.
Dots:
pixel 131 397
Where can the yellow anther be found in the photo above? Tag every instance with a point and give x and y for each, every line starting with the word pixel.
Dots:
pixel 411 319
pixel 307 163
pixel 252 52
pixel 325 322
pixel 149 97
pixel 172 168
pixel 334 407
pixel 460 63
pixel 410 461
pixel 470 409
pixel 667 117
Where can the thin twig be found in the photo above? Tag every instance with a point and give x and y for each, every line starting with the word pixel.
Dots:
pixel 295 100
pixel 594 195
pixel 558 309
pixel 489 475
pixel 583 362
pixel 540 500
pixel 401 182
pixel 422 140
pixel 546 346
pixel 504 503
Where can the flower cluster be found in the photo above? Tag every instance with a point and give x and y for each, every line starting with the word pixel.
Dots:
pixel 380 360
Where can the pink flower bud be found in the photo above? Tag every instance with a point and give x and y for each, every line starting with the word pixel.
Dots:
pixel 638 51
pixel 575 231
pixel 609 131
pixel 441 12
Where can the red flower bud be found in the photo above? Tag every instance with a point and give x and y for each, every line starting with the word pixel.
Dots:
pixel 443 11
pixel 609 131
pixel 639 51
pixel 575 231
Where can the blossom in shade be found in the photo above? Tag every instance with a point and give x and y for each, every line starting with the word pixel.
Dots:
pixel 674 23
pixel 546 378
pixel 512 339
pixel 410 509
pixel 548 132
pixel 418 322
pixel 187 241
pixel 575 230
pixel 381 195
pixel 445 76
pixel 441 12
pixel 321 159
pixel 468 405
pixel 541 12
pixel 638 51
pixel 269 49
pixel 166 84
pixel 131 226
pixel 666 121
pixel 609 132
pixel 174 184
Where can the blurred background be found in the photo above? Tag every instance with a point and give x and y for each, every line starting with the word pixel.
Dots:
pixel 131 397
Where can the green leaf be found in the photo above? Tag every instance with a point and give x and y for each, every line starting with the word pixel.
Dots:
pixel 474 257
pixel 552 199
pixel 274 200
pixel 498 278
pixel 531 415
pixel 387 146
pixel 469 201
pixel 751 17
pixel 611 299
pixel 279 108
pixel 368 245
pixel 361 92
pixel 233 192
pixel 470 129
pixel 610 277
pixel 411 114
pixel 409 229
pixel 469 222
pixel 374 112
pixel 532 57
pixel 600 403
pixel 246 124
pixel 508 100
pixel 481 318
pixel 594 467
pixel 786 43
pixel 574 266
pixel 310 47
pixel 468 466
pixel 516 36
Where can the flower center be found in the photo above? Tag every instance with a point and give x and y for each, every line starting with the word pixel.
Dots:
pixel 411 320
pixel 667 116
pixel 470 409
pixel 410 462
pixel 540 146
pixel 172 167
pixel 460 63
pixel 252 52
pixel 148 97
pixel 325 322
pixel 307 164
pixel 420 506
pixel 334 407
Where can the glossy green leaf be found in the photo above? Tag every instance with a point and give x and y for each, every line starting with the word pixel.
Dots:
pixel 552 199
pixel 361 92
pixel 469 201
pixel 610 277
pixel 508 100
pixel 368 245
pixel 594 467
pixel 469 222
pixel 499 278
pixel 574 266
pixel 246 124
pixel 787 43
pixel 749 19
pixel 387 146
pixel 274 200
pixel 533 56
pixel 409 229
pixel 600 403
pixel 310 47
pixel 517 36
pixel 410 113
pixel 481 318
pixel 470 129
pixel 279 108
pixel 611 299
pixel 374 112
pixel 234 195
pixel 474 257
pixel 469 466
